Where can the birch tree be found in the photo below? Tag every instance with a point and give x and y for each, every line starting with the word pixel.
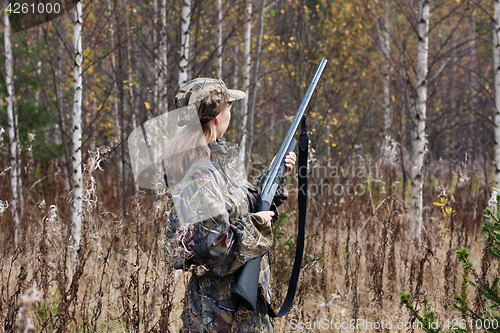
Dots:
pixel 496 61
pixel 419 141
pixel 76 211
pixel 13 130
pixel 386 49
pixel 246 83
pixel 184 56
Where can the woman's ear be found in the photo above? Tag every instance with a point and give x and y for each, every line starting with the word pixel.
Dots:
pixel 217 120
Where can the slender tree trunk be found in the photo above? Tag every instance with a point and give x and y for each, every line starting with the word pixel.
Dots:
pixel 121 96
pixel 496 62
pixel 253 86
pixel 184 56
pixel 419 142
pixel 219 39
pixel 242 157
pixel 61 125
pixel 134 102
pixel 13 132
pixel 163 78
pixel 116 118
pixel 454 106
pixel 67 168
pixel 472 81
pixel 386 49
pixel 77 131
pixel 402 146
pixel 38 71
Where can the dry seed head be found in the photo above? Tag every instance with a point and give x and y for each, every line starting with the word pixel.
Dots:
pixel 51 216
pixel 492 203
pixel 390 150
pixel 330 302
pixel 463 179
pixel 184 232
pixel 88 181
pixel 199 270
pixel 30 296
pixel 3 206
pixel 41 204
pixel 25 325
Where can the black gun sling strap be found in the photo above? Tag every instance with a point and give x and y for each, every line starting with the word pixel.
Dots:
pixel 302 204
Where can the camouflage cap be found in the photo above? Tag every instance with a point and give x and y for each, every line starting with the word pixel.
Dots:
pixel 207 96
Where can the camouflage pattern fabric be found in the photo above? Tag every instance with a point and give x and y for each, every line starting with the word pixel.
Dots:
pixel 224 235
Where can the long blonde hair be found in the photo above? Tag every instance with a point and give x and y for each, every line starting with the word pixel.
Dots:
pixel 187 146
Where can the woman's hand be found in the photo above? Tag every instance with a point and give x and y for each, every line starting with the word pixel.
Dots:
pixel 267 215
pixel 289 162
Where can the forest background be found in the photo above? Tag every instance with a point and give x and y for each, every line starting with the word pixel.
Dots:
pixel 105 268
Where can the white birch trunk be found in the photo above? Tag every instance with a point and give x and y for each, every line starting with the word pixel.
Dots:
pixel 76 211
pixel 219 39
pixel 12 121
pixel 246 83
pixel 496 63
pixel 386 49
pixel 419 140
pixel 184 56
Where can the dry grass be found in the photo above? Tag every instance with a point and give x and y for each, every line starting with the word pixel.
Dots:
pixel 360 254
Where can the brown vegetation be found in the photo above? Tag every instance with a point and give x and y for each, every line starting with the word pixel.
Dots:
pixel 360 254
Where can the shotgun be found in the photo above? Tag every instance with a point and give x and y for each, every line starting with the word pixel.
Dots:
pixel 246 288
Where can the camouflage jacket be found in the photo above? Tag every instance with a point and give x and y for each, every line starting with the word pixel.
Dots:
pixel 213 232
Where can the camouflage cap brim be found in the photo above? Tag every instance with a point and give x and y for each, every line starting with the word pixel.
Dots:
pixel 236 95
